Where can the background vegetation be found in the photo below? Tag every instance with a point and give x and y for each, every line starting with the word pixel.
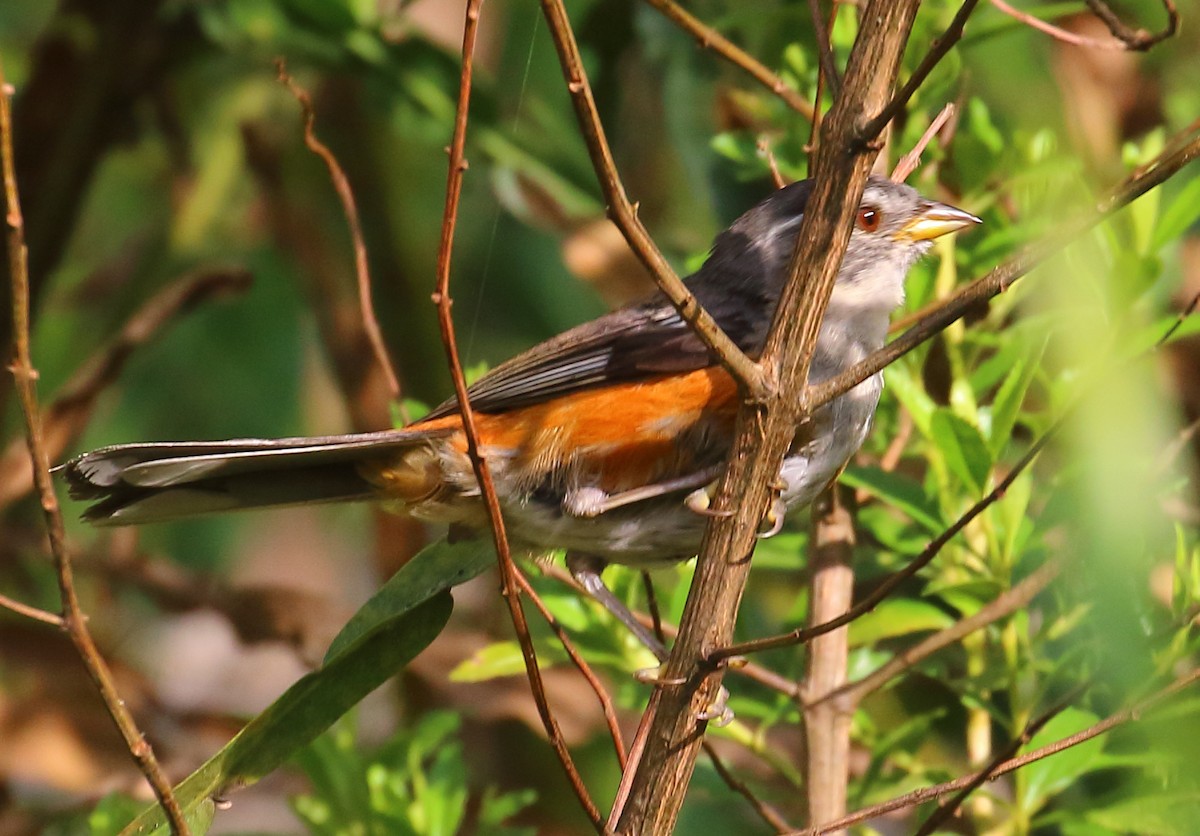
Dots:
pixel 157 150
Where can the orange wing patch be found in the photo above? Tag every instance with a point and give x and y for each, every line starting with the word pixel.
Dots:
pixel 616 438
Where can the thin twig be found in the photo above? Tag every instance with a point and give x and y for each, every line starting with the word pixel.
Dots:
pixel 944 813
pixel 441 298
pixel 709 38
pixel 1002 605
pixel 350 208
pixel 624 213
pixel 941 315
pixel 766 812
pixel 53 619
pixel 1057 32
pixel 25 376
pixel 930 793
pixel 825 47
pixel 593 681
pixel 764 148
pixel 937 51
pixel 1138 40
pixel 68 414
pixel 909 162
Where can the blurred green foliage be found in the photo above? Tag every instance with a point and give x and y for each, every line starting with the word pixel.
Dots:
pixel 211 169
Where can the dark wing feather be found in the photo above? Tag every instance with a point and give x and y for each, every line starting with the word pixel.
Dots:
pixel 738 285
pixel 627 344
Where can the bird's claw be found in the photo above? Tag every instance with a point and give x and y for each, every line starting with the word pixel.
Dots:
pixel 775 516
pixel 700 501
pixel 718 711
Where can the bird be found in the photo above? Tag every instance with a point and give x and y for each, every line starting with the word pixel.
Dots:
pixel 604 441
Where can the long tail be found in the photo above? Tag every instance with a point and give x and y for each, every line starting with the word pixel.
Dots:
pixel 131 484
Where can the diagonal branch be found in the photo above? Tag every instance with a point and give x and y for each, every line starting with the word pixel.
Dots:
pixel 509 575
pixel 1181 151
pixel 624 213
pixel 937 51
pixel 710 38
pixel 920 796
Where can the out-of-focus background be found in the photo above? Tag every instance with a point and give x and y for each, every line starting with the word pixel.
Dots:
pixel 156 151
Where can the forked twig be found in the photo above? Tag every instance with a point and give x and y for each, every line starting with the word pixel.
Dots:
pixel 73 619
pixel 1136 39
pixel 509 575
pixel 909 162
pixel 939 49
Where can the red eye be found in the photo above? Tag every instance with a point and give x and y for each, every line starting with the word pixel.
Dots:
pixel 869 218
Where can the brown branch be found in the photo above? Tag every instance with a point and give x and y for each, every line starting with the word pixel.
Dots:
pixel 1138 40
pixel 342 186
pixel 1182 150
pixel 827 722
pixel 945 812
pixel 71 410
pixel 441 297
pixel 709 38
pixel 745 371
pixel 765 429
pixel 765 811
pixel 824 47
pixel 1057 32
pixel 909 162
pixel 930 793
pixel 1004 604
pixel 937 51
pixel 74 622
pixel 53 619
pixel 593 681
pixel 885 588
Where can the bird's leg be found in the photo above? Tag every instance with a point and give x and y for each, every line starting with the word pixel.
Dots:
pixel 592 502
pixel 586 569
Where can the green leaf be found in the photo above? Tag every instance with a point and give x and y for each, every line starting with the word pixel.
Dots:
pixel 434 569
pixel 489 662
pixel 1165 814
pixel 896 490
pixel 1046 778
pixel 963 447
pixel 1006 406
pixel 1177 218
pixel 898 617
pixel 305 710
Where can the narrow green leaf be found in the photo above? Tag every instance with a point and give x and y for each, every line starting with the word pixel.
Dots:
pixel 963 447
pixel 490 662
pixel 1177 218
pixel 1006 406
pixel 898 491
pixel 304 711
pixel 1046 778
pixel 436 568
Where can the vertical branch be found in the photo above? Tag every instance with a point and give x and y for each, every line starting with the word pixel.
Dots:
pixel 25 376
pixel 441 298
pixel 827 721
pixel 765 427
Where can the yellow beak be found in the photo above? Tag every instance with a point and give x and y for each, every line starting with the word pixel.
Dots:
pixel 934 220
